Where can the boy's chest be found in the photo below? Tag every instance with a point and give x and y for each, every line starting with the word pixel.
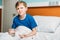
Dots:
pixel 23 22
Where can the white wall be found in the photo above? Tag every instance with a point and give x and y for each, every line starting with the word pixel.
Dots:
pixel 38 3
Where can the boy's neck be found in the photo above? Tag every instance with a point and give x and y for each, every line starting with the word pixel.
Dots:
pixel 22 17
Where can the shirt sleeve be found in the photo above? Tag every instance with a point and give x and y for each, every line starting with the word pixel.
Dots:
pixel 14 24
pixel 32 22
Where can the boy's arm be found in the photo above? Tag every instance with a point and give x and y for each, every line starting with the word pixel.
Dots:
pixel 32 33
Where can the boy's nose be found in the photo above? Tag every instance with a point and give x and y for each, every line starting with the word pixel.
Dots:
pixel 19 10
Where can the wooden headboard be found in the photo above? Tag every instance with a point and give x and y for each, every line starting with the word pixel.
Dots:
pixel 45 11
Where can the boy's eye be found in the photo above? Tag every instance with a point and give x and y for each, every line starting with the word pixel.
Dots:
pixel 17 8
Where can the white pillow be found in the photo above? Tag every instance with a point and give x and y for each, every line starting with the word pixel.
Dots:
pixel 47 23
pixel 22 30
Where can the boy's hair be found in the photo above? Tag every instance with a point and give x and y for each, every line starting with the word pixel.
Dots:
pixel 19 2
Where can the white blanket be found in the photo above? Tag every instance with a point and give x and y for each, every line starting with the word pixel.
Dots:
pixel 38 36
pixel 19 30
pixel 6 36
pixel 22 30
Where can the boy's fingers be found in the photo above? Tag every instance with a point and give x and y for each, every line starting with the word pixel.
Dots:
pixel 21 36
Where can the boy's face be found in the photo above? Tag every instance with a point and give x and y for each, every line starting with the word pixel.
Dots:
pixel 21 9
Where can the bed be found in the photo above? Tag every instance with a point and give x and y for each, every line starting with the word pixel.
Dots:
pixel 47 29
pixel 48 21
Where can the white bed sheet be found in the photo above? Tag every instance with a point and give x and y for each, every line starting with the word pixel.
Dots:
pixel 52 36
pixel 6 36
pixel 56 35
pixel 38 36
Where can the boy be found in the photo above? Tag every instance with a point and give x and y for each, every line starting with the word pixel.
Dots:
pixel 23 19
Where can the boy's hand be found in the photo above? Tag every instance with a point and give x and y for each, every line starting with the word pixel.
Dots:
pixel 11 31
pixel 23 36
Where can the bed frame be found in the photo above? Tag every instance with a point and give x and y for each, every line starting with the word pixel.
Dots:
pixel 45 11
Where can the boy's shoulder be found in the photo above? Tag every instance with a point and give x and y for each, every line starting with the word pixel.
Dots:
pixel 16 17
pixel 29 15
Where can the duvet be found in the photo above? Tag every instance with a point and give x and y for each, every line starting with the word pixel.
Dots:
pixel 21 30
